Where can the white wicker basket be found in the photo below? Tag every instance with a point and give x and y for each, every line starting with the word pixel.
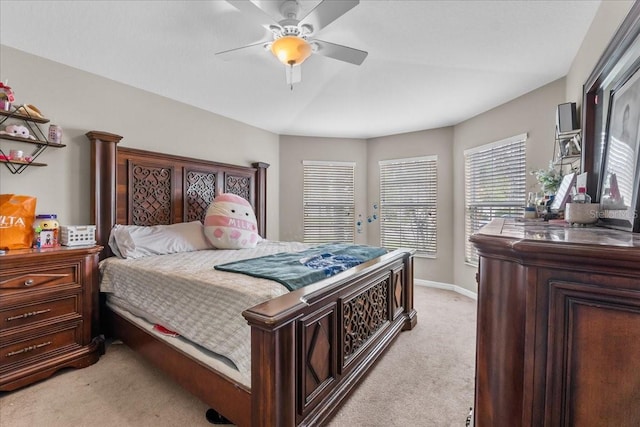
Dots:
pixel 77 235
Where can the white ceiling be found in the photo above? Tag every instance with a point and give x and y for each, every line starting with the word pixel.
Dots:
pixel 430 63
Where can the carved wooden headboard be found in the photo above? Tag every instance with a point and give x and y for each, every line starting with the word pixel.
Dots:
pixel 137 187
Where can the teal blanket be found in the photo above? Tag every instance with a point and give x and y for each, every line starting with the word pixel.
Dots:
pixel 297 269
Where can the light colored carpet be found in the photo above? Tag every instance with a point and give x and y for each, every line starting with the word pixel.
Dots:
pixel 425 379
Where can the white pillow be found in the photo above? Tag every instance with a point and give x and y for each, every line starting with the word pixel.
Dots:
pixel 134 241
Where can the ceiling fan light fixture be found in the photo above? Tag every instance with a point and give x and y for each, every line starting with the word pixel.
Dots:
pixel 291 50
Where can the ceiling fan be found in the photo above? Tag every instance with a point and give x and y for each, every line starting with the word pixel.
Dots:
pixel 293 36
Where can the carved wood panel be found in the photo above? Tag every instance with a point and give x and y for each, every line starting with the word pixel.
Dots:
pixel 161 185
pixel 397 296
pixel 199 190
pixel 318 356
pixel 150 194
pixel 363 315
pixel 238 185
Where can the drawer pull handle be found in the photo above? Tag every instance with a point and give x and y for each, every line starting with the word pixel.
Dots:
pixel 29 282
pixel 28 314
pixel 28 349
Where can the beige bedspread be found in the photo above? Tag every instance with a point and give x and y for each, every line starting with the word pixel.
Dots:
pixel 186 294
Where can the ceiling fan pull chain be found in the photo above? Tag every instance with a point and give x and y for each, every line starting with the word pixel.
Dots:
pixel 291 75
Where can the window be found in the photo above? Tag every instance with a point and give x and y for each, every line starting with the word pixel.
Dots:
pixel 329 202
pixel 408 205
pixel 495 185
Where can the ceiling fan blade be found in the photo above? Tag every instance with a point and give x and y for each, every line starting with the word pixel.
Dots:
pixel 339 52
pixel 294 74
pixel 228 55
pixel 253 11
pixel 326 12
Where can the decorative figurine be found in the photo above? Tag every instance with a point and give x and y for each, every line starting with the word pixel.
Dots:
pixel 17 130
pixel 46 231
pixel 6 97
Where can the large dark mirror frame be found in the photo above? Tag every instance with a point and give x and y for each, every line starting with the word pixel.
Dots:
pixel 611 128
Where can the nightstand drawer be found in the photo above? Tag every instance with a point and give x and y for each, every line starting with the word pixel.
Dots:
pixel 40 345
pixel 37 312
pixel 39 279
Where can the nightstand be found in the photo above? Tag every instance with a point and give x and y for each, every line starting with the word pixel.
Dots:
pixel 48 313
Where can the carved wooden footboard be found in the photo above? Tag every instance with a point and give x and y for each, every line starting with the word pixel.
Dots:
pixel 309 348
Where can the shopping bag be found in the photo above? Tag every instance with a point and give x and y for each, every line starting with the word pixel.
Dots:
pixel 17 214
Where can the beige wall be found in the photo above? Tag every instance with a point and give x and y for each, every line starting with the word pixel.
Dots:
pixel 293 151
pixel 533 113
pixel 608 18
pixel 79 102
pixel 366 154
pixel 415 144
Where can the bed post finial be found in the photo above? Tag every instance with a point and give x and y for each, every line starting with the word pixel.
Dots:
pixel 103 184
pixel 261 197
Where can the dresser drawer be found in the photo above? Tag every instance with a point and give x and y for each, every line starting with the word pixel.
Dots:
pixel 27 314
pixel 48 312
pixel 40 345
pixel 38 279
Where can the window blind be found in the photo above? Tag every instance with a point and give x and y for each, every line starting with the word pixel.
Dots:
pixel 329 202
pixel 408 204
pixel 495 185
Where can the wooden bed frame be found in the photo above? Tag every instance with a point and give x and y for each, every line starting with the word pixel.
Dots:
pixel 309 348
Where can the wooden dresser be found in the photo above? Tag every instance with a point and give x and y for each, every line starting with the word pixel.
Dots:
pixel 558 334
pixel 48 313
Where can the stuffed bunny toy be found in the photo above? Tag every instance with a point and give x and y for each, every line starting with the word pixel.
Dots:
pixel 230 223
pixel 17 130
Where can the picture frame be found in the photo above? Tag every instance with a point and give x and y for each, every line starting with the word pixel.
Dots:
pixel 564 146
pixel 47 239
pixel 620 173
pixel 569 145
pixel 562 195
pixel 614 82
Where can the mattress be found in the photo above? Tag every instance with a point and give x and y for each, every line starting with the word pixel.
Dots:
pixel 184 293
pixel 195 351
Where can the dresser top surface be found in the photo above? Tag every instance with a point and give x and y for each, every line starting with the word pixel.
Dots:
pixel 543 232
pixel 6 255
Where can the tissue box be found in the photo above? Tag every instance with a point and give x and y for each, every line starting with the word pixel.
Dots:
pixel 581 213
pixel 78 235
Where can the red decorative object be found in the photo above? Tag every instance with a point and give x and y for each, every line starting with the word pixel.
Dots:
pixel 8 93
pixel 165 331
pixel 6 97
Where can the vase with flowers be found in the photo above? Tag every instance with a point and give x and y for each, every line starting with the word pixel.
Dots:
pixel 549 179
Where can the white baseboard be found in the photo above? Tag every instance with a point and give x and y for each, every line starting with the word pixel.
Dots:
pixel 447 286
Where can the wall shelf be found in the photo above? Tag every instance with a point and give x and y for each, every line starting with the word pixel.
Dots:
pixel 23 163
pixel 17 115
pixel 567 150
pixel 40 143
pixel 31 141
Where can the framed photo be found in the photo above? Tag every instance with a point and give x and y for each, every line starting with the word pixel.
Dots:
pixel 562 195
pixel 620 175
pixel 47 239
pixel 611 131
pixel 564 148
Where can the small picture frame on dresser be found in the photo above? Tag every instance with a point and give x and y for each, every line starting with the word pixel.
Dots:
pixel 46 239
